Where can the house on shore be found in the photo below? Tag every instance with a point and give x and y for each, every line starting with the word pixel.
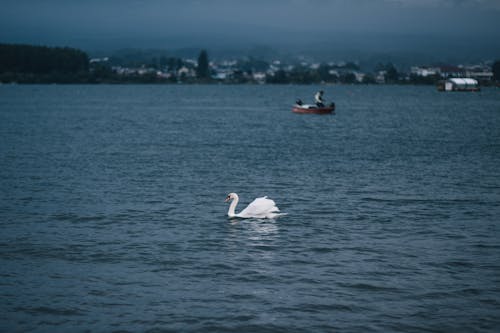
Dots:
pixel 459 84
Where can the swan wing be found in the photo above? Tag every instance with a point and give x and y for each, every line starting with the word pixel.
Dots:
pixel 260 208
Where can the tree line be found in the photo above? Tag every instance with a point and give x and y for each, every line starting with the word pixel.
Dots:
pixel 42 64
pixel 41 61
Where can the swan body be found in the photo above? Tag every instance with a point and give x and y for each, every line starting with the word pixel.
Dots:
pixel 260 208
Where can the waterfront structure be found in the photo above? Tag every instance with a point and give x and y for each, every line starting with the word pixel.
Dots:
pixel 459 84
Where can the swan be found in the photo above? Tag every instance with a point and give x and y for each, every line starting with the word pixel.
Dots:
pixel 260 208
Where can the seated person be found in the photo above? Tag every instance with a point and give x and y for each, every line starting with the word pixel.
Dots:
pixel 318 98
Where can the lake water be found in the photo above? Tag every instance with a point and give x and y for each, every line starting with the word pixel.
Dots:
pixel 112 215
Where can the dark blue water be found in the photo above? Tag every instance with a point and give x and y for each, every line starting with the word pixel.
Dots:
pixel 112 215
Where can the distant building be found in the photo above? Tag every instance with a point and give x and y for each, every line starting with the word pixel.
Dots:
pixel 380 77
pixel 186 72
pixel 259 77
pixel 425 71
pixel 145 71
pixel 333 72
pixel 480 73
pixel 192 62
pixel 359 76
pixel 96 60
pixel 459 84
pixel 219 75
pixel 452 71
pixel 163 75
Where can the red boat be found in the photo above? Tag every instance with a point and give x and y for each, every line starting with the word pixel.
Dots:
pixel 310 108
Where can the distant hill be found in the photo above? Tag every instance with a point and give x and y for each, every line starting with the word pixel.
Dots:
pixel 368 49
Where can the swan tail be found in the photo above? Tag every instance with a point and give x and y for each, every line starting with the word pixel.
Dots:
pixel 275 215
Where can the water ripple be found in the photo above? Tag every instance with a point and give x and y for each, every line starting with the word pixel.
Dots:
pixel 112 215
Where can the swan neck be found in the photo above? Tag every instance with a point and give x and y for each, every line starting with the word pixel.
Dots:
pixel 232 207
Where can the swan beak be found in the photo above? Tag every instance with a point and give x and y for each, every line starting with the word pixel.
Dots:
pixel 227 198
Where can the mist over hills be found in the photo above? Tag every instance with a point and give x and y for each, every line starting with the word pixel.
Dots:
pixel 402 31
pixel 366 49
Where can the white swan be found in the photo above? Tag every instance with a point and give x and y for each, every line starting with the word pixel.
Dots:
pixel 260 208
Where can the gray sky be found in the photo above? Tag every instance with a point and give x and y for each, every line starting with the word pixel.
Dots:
pixel 167 24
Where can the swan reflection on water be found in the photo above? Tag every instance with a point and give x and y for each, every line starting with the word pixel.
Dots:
pixel 257 226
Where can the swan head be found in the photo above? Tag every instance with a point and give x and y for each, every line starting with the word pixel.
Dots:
pixel 231 196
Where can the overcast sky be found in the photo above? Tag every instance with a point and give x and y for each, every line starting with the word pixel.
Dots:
pixel 184 23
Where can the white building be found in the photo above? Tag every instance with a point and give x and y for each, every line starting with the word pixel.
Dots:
pixel 259 76
pixel 479 75
pixel 461 84
pixel 425 71
pixel 359 76
pixel 187 72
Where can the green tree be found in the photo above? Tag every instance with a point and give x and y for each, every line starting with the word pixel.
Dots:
pixel 349 78
pixel 41 64
pixel 392 74
pixel 324 73
pixel 203 70
pixel 496 70
pixel 351 65
pixel 174 64
pixel 369 79
pixel 279 77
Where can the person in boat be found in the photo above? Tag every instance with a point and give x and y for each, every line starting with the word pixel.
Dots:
pixel 318 98
pixel 298 102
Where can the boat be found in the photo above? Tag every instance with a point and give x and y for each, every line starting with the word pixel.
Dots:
pixel 311 108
